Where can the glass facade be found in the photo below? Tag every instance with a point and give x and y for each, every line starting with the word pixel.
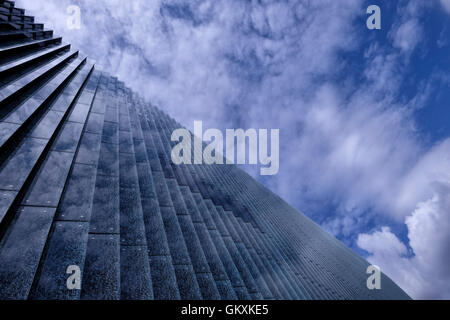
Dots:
pixel 86 180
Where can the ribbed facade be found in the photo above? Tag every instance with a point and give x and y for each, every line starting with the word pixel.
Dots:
pixel 86 180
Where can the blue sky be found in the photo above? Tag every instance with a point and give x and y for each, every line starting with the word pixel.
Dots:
pixel 363 114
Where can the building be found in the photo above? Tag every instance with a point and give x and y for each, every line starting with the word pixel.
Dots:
pixel 87 189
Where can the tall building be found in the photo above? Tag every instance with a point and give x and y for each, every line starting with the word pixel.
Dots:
pixel 88 190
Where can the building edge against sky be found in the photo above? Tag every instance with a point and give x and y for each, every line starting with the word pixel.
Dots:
pixel 87 185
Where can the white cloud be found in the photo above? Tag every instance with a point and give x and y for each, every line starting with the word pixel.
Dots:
pixel 425 274
pixel 433 167
pixel 446 5
pixel 408 35
pixel 389 253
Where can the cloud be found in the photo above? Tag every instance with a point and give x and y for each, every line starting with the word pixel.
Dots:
pixel 446 5
pixel 205 55
pixel 408 35
pixel 423 273
pixel 407 31
pixel 416 186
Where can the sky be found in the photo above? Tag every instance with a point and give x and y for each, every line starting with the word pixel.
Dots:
pixel 363 114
